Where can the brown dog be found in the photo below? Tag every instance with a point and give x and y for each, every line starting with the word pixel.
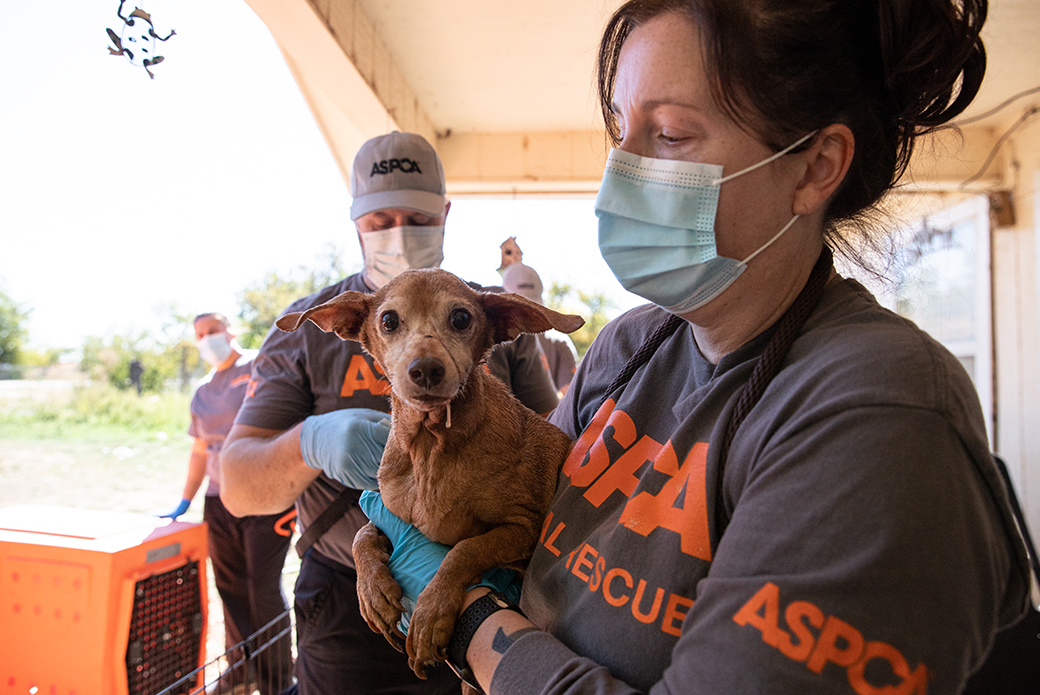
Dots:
pixel 465 462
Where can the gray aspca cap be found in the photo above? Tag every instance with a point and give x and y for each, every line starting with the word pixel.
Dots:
pixel 397 170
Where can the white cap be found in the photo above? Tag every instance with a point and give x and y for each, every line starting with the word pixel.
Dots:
pixel 522 280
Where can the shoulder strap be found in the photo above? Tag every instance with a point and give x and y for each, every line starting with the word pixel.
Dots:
pixel 768 364
pixel 1016 508
pixel 328 517
pixel 787 329
pixel 643 354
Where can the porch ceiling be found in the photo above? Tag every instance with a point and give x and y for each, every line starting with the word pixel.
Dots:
pixel 505 88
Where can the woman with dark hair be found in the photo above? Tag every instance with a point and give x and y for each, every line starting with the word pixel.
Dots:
pixel 777 485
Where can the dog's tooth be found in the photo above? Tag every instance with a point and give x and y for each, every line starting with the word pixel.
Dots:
pixel 447 420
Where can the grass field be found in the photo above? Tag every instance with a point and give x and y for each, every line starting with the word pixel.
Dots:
pixel 100 448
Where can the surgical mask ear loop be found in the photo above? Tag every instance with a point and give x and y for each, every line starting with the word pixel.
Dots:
pixel 776 156
pixel 766 245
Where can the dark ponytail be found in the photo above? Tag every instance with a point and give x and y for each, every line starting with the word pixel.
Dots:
pixel 933 62
pixel 890 70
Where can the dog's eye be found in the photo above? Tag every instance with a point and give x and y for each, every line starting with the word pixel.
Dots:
pixel 391 321
pixel 460 319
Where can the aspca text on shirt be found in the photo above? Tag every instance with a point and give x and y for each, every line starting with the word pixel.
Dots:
pixel 627 572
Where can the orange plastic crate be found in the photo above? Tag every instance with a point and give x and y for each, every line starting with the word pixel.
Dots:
pixel 98 603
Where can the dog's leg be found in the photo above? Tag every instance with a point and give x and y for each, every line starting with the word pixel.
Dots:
pixel 379 595
pixel 437 607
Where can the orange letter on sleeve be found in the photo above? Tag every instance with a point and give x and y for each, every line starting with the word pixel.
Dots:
pixel 839 643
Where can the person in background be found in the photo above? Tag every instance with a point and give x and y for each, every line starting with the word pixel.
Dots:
pixel 247 553
pixel 312 393
pixel 558 348
pixel 777 485
pixel 136 370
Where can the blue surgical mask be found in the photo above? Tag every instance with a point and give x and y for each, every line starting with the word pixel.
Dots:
pixel 657 228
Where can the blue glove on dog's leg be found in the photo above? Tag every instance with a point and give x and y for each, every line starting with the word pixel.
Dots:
pixel 346 445
pixel 181 508
pixel 415 558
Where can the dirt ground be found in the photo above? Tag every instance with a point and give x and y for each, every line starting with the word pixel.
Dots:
pixel 112 471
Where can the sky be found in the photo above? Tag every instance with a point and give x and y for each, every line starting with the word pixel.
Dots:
pixel 123 198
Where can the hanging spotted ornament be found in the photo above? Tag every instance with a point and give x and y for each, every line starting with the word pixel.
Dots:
pixel 137 39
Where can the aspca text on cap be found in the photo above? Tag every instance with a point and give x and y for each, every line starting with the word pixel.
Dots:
pixel 387 166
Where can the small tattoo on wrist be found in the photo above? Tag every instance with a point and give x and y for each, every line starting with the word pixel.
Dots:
pixel 502 641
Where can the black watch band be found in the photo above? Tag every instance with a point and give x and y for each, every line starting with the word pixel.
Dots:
pixel 466 626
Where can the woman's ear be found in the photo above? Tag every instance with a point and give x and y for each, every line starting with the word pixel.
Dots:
pixel 827 161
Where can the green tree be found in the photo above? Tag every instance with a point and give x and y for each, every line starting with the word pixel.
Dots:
pixel 266 299
pixel 13 332
pixel 177 331
pixel 48 357
pixel 169 358
pixel 593 308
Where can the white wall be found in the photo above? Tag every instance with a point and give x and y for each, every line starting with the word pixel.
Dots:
pixel 1016 319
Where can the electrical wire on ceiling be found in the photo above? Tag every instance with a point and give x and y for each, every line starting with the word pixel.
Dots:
pixel 996 147
pixel 996 109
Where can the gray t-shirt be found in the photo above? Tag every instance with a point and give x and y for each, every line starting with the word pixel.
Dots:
pixel 310 372
pixel 867 537
pixel 214 404
pixel 561 358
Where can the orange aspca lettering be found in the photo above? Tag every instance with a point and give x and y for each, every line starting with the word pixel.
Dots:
pixel 239 380
pixel 580 472
pixel 360 377
pixel 619 587
pixel 622 473
pixel 680 506
pixel 645 512
pixel 838 643
pixel 552 538
pixel 251 388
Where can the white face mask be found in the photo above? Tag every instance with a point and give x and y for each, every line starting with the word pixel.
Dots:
pixel 390 252
pixel 214 348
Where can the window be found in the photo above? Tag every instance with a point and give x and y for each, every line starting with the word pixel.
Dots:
pixel 940 279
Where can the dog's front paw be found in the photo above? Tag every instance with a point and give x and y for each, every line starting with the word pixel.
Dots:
pixel 379 598
pixel 379 595
pixel 432 624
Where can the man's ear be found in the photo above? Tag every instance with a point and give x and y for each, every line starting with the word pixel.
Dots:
pixel 827 161
pixel 343 315
pixel 510 315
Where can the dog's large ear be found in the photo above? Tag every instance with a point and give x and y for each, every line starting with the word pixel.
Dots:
pixel 343 315
pixel 510 315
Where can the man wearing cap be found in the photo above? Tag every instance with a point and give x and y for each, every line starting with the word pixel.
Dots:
pixel 316 403
pixel 560 356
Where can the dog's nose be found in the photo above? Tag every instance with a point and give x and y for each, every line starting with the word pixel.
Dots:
pixel 426 372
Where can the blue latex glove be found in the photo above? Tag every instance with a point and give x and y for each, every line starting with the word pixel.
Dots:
pixel 181 508
pixel 415 558
pixel 346 445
